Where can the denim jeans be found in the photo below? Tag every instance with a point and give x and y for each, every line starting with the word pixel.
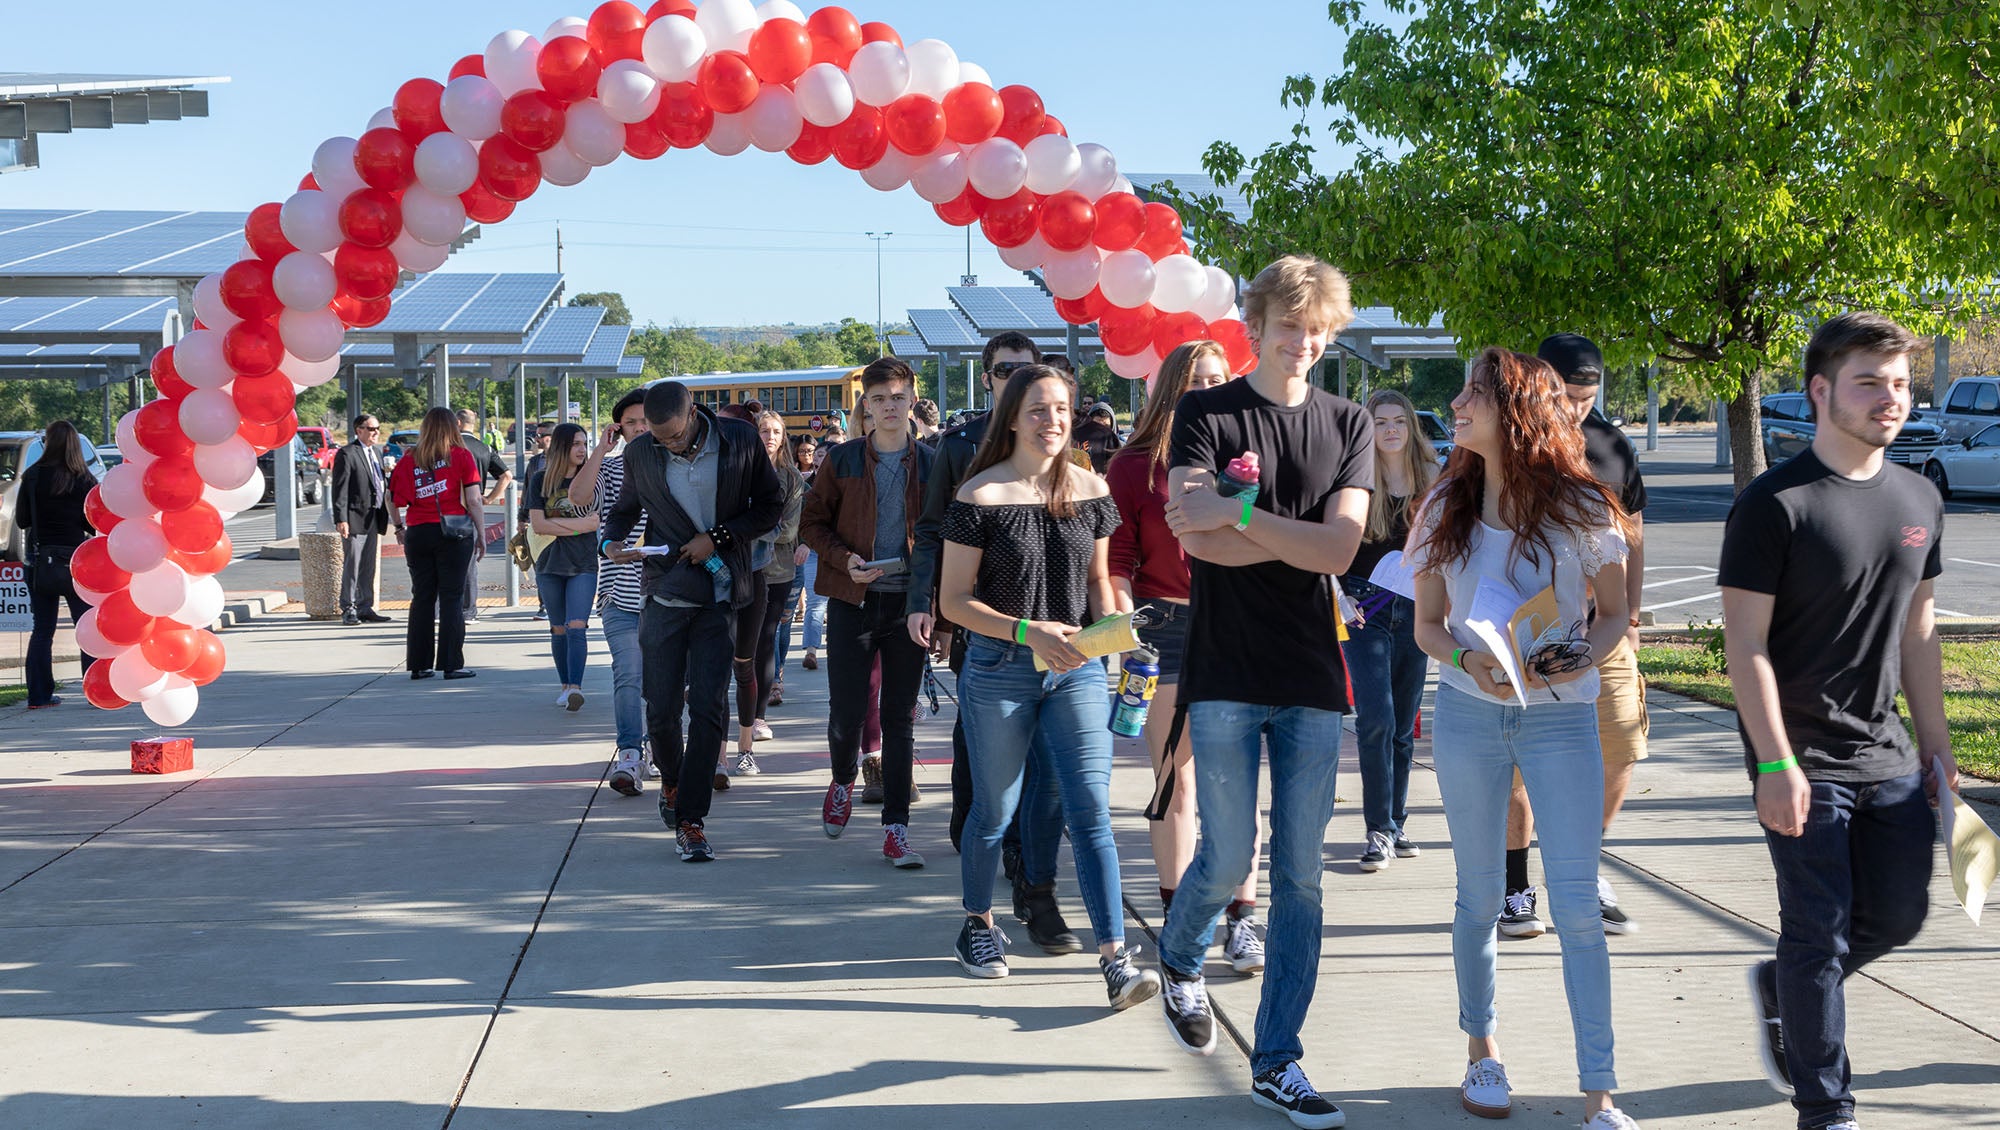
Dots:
pixel 858 638
pixel 815 606
pixel 1477 746
pixel 687 653
pixel 628 699
pixel 1853 887
pixel 1304 747
pixel 1387 670
pixel 567 601
pixel 1011 709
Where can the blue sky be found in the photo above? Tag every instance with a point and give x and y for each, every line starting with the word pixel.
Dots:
pixel 690 238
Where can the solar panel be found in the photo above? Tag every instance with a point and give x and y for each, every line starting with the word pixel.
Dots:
pixel 946 329
pixel 632 366
pixel 909 347
pixel 986 307
pixel 564 333
pixel 607 347
pixel 1148 186
pixel 120 243
pixel 74 351
pixel 83 316
pixel 480 307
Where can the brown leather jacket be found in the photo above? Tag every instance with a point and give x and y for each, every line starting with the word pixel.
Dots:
pixel 839 513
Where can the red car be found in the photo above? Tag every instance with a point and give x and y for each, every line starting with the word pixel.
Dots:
pixel 319 442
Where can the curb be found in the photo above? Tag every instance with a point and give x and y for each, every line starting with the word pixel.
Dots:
pixel 237 608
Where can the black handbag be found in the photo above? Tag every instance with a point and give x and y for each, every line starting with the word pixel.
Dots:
pixel 48 565
pixel 454 527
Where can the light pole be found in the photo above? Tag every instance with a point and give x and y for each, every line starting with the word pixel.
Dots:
pixel 881 342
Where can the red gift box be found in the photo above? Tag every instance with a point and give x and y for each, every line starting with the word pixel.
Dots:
pixel 168 755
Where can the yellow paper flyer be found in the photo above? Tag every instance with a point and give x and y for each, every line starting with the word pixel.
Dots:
pixel 1108 636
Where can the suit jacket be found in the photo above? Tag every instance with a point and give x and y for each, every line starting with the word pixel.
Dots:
pixel 353 497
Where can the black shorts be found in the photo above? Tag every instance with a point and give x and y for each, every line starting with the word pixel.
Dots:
pixel 1163 626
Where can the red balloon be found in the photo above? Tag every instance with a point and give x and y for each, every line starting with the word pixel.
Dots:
pixel 371 217
pixel 533 119
pixel 370 273
pixel 880 33
pixel 359 313
pixel 166 378
pixel 781 50
pixel 862 139
pixel 1177 329
pixel 308 184
pixel 172 483
pixel 207 562
pixel 1121 220
pixel 386 159
pixel 1163 231
pixel 193 530
pixel 684 116
pixel 208 660
pixel 836 36
pixel 567 68
pixel 469 65
pixel 483 206
pixel 1021 114
pixel 670 8
pixel 170 647
pixel 1235 339
pixel 727 82
pixel 246 289
pixel 974 112
pixel 508 170
pixel 961 210
pixel 1011 222
pixel 815 145
pixel 97 514
pixel 255 348
pixel 261 400
pixel 119 620
pixel 416 108
pixel 616 31
pixel 97 688
pixel 264 235
pixel 1052 124
pixel 644 140
pixel 1127 331
pixel 916 123
pixel 91 566
pixel 158 428
pixel 1068 221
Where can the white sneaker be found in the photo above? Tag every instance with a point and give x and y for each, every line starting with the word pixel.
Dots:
pixel 1245 947
pixel 1486 1091
pixel 759 732
pixel 562 698
pixel 746 765
pixel 627 778
pixel 652 770
pixel 1613 1119
pixel 573 700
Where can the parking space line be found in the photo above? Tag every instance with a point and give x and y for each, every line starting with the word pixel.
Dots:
pixel 1701 576
pixel 1716 595
pixel 1970 561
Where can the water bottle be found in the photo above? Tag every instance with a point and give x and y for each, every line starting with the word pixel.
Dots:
pixel 1136 684
pixel 1241 478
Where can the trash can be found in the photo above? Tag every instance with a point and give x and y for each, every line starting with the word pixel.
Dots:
pixel 319 572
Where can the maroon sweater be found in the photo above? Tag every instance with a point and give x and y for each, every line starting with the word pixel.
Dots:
pixel 1143 550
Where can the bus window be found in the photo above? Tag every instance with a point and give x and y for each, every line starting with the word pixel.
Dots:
pixel 819 398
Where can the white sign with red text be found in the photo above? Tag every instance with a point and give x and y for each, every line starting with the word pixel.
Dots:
pixel 16 615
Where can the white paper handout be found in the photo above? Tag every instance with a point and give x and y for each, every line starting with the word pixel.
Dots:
pixel 1493 604
pixel 1971 848
pixel 1394 573
pixel 657 550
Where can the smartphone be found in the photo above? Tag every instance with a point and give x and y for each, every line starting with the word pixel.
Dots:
pixel 890 566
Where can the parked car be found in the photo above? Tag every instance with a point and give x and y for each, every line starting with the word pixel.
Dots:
pixel 1971 406
pixel 111 456
pixel 1786 421
pixel 398 443
pixel 1971 466
pixel 307 483
pixel 320 442
pixel 18 452
pixel 1438 432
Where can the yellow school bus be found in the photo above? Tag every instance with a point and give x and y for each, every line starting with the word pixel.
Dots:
pixel 809 399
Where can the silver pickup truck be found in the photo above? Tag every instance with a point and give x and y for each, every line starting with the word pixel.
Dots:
pixel 1971 405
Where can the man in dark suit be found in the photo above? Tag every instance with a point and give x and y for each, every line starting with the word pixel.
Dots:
pixel 361 515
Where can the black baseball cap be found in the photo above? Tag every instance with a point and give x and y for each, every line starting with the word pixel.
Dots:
pixel 1574 357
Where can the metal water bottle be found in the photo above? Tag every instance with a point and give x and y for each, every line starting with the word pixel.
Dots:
pixel 1136 684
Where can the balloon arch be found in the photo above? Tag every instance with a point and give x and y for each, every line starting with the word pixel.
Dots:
pixel 726 75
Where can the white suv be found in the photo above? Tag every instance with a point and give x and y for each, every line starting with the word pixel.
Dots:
pixel 1971 405
pixel 18 452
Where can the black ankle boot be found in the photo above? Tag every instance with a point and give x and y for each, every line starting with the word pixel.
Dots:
pixel 1010 866
pixel 1046 927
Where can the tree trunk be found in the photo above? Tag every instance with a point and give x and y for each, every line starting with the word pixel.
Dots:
pixel 1746 434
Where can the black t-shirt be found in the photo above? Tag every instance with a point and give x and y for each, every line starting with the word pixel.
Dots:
pixel 1371 553
pixel 568 555
pixel 491 466
pixel 1033 565
pixel 53 517
pixel 1614 462
pixel 1842 558
pixel 1264 634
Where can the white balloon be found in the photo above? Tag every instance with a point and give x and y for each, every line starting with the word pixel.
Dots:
pixel 1071 274
pixel 175 703
pixel 1137 367
pixel 431 217
pixel 774 120
pixel 1053 164
pixel 824 95
pixel 673 49
pixel 1026 256
pixel 629 91
pixel 592 134
pixel 940 177
pixel 235 500
pixel 307 374
pixel 1124 185
pixel 471 107
pixel 226 465
pixel 997 168
pixel 139 458
pixel 1127 278
pixel 510 62
pixel 126 433
pixel 310 220
pixel 881 73
pixel 728 24
pixel 136 545
pixel 780 10
pixel 161 590
pixel 198 359
pixel 1099 170
pixel 933 68
pixel 569 25
pixel 304 281
pixel 414 254
pixel 91 641
pixel 1178 284
pixel 891 172
pixel 208 415
pixel 562 167
pixel 447 164
pixel 89 596
pixel 312 335
pixel 973 72
pixel 208 304
pixel 124 492
pixel 333 168
pixel 204 604
pixel 730 136
pixel 1219 297
pixel 385 118
pixel 134 679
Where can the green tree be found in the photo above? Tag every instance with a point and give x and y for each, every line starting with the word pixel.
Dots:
pixel 616 313
pixel 1687 180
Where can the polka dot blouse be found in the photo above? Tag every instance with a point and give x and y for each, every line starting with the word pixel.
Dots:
pixel 1034 564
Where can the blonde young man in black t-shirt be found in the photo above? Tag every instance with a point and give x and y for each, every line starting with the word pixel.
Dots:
pixel 1828 563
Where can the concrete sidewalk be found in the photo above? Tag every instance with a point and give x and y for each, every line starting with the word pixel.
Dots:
pixel 385 903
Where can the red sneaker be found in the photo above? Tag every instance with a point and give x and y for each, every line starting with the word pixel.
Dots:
pixel 896 847
pixel 836 809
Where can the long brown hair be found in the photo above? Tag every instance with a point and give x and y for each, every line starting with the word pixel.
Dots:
pixel 1153 432
pixel 998 446
pixel 1545 481
pixel 1420 462
pixel 437 435
pixel 555 465
pixel 63 452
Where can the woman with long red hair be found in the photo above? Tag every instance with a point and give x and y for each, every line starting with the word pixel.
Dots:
pixel 1512 544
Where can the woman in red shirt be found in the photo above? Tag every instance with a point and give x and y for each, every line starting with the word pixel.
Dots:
pixel 435 491
pixel 1148 567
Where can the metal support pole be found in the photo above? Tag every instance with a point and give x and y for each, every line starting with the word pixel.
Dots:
pixel 513 572
pixel 562 397
pixel 106 433
pixel 441 379
pixel 1653 407
pixel 520 426
pixel 1342 390
pixel 1940 370
pixel 971 386
pixel 1722 456
pixel 284 489
pixel 594 425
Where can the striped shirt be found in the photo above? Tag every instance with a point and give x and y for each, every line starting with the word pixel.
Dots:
pixel 618 584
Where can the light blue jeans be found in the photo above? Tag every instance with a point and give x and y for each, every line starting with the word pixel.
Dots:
pixel 567 601
pixel 1304 747
pixel 628 699
pixel 1477 745
pixel 815 607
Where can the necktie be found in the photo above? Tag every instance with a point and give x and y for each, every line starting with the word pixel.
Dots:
pixel 374 479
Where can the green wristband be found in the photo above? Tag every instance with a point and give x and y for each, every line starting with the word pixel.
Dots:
pixel 1243 523
pixel 1021 631
pixel 1458 658
pixel 1789 761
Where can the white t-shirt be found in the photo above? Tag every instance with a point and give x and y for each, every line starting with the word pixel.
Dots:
pixel 1496 553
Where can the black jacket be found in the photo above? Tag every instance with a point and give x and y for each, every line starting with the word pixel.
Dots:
pixel 353 498
pixel 955 450
pixel 749 501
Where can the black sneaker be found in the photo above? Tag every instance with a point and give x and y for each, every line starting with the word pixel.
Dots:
pixel 1405 848
pixel 1286 1089
pixel 1616 921
pixel 982 949
pixel 1770 1031
pixel 1517 916
pixel 1189 1016
pixel 692 843
pixel 1375 855
pixel 871 780
pixel 1125 983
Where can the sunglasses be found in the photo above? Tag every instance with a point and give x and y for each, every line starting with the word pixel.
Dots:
pixel 1008 368
pixel 369 428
